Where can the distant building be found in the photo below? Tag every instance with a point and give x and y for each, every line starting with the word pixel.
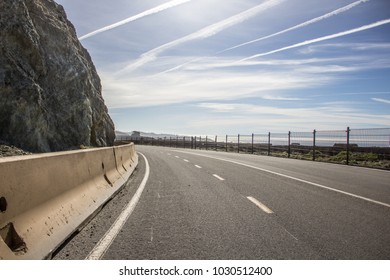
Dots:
pixel 136 135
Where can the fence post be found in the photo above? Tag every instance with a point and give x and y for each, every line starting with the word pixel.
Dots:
pixel 314 144
pixel 238 144
pixel 348 134
pixel 253 136
pixel 226 143
pixel 269 143
pixel 289 144
pixel 216 143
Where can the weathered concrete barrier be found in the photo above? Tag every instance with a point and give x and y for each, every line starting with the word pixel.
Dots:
pixel 45 198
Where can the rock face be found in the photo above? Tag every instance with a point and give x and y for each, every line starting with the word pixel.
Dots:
pixel 50 92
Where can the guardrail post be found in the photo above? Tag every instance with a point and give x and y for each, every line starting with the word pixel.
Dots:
pixel 289 144
pixel 200 142
pixel 253 136
pixel 184 142
pixel 238 144
pixel 269 143
pixel 216 143
pixel 314 144
pixel 206 142
pixel 226 143
pixel 348 134
pixel 177 141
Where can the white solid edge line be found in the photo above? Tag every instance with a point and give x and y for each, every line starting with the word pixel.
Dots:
pixel 218 177
pixel 296 179
pixel 260 205
pixel 104 243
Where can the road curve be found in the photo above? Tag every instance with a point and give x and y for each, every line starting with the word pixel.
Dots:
pixel 215 205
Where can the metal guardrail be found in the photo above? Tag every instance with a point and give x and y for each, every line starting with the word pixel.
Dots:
pixel 361 147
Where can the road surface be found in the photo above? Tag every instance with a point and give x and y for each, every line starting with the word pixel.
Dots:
pixel 215 205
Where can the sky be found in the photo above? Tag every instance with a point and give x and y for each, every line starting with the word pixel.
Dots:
pixel 216 67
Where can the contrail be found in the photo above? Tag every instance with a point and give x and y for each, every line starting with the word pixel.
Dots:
pixel 154 10
pixel 206 32
pixel 314 20
pixel 381 100
pixel 306 23
pixel 340 34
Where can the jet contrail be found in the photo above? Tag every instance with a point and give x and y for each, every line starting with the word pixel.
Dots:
pixel 314 20
pixel 340 34
pixel 154 10
pixel 208 31
pixel 381 100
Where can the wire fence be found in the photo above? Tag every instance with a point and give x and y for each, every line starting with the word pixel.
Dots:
pixel 361 147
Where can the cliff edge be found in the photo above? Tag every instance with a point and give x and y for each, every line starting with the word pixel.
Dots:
pixel 50 92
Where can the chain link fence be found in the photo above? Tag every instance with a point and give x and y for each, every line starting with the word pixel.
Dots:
pixel 360 147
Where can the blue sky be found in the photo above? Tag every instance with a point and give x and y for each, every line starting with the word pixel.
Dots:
pixel 197 67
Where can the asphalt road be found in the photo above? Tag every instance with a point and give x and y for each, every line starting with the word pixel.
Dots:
pixel 216 205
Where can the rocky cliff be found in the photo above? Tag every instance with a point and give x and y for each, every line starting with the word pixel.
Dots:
pixel 50 92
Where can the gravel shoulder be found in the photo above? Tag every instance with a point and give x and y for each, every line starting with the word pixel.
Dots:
pixel 9 151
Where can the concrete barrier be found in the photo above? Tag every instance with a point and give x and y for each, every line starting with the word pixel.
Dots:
pixel 45 198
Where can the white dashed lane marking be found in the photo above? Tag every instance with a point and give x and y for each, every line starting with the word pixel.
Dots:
pixel 260 205
pixel 218 177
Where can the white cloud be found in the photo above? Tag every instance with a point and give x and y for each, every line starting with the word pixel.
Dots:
pixel 381 100
pixel 154 10
pixel 306 23
pixel 379 46
pixel 282 98
pixel 335 64
pixel 220 85
pixel 206 32
pixel 254 118
pixel 216 79
pixel 332 36
pixel 181 87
